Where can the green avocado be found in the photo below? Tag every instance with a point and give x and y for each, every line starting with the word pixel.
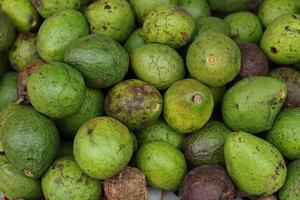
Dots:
pixel 197 8
pixel 212 24
pixel 8 89
pixel 227 6
pixel 102 61
pixel 64 180
pixel 253 103
pixel 26 126
pixel 7 32
pixel 255 166
pixel 135 40
pixel 217 93
pixel 58 32
pixel 8 112
pixel 4 63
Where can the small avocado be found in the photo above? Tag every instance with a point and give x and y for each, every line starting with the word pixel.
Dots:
pixel 7 32
pixel 212 24
pixel 197 8
pixel 134 41
pixel 8 89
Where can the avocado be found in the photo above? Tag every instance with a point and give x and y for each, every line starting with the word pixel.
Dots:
pixel 254 165
pixel 253 103
pixel 212 24
pixel 7 32
pixel 8 112
pixel 65 149
pixel 197 8
pixel 102 61
pixel 217 94
pixel 227 6
pixel 134 41
pixel 58 32
pixel 64 180
pixel 8 89
pixel 4 63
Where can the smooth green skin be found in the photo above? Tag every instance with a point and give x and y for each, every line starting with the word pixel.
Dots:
pixel 182 111
pixel 65 149
pixel 47 8
pixel 180 29
pixel 157 64
pixel 197 8
pixel 56 90
pixel 285 133
pixel 92 106
pixel 245 27
pixel 4 64
pixel 291 190
pixel 135 103
pixel 163 165
pixel 101 60
pixel 23 51
pixel 142 8
pixel 218 94
pixel 113 18
pixel 253 103
pixel 160 131
pixel 15 185
pixel 281 38
pixel 254 165
pixel 227 6
pixel 214 59
pixel 58 32
pixel 7 32
pixel 269 10
pixel 8 89
pixel 212 24
pixel 22 13
pixel 134 41
pixel 64 180
pixel 206 146
pixel 102 147
pixel 30 141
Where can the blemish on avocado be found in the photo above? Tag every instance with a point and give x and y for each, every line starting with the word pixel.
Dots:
pixel 237 106
pixel 104 27
pixel 37 4
pixel 211 59
pixel 28 173
pixel 197 99
pixel 107 6
pixel 58 180
pixel 185 36
pixel 80 179
pixel 58 166
pixel 273 50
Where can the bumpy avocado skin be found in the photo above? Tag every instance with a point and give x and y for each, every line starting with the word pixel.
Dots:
pixel 197 8
pixel 180 29
pixel 25 127
pixel 64 180
pixel 157 64
pixel 192 108
pixel 163 165
pixel 285 134
pixel 15 185
pixel 212 24
pixel 253 103
pixel 4 63
pixel 58 32
pixel 102 147
pixel 8 89
pixel 280 40
pixel 6 113
pixel 206 146
pixel 7 32
pixel 113 18
pixel 291 190
pixel 242 153
pixel 23 14
pixel 227 6
pixel 134 41
pixel 101 60
pixel 135 103
pixel 92 106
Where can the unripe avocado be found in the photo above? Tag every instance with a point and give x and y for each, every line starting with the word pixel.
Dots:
pixel 197 8
pixel 8 89
pixel 135 40
pixel 7 32
pixel 212 24
pixel 253 103
pixel 254 165
pixel 227 6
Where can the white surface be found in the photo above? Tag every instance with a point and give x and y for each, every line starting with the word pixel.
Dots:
pixel 157 194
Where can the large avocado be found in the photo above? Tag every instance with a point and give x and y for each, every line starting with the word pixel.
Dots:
pixel 135 40
pixel 212 24
pixel 197 8
pixel 7 32
pixel 8 89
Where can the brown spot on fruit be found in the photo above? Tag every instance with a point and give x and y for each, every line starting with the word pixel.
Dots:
pixel 273 50
pixel 147 88
pixel 37 3
pixel 107 6
pixel 27 172
pixel 211 59
pixel 197 99
pixel 185 36
pixel 58 180
pixel 155 106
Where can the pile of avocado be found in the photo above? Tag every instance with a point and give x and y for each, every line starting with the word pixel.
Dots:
pixel 197 97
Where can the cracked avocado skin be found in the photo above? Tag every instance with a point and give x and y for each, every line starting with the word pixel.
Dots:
pixel 56 90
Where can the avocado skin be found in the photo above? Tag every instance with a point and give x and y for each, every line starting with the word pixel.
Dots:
pixel 8 89
pixel 7 32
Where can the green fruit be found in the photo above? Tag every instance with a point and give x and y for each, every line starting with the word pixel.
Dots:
pixel 22 13
pixel 113 18
pixel 254 165
pixel 197 8
pixel 269 10
pixel 103 147
pixel 65 149
pixel 188 105
pixel 56 90
pixel 291 190
pixel 212 24
pixel 6 113
pixel 24 51
pixel 64 180
pixel 7 32
pixel 214 59
pixel 217 94
pixel 15 185
pixel 163 165
pixel 227 6
pixel 245 27
pixel 58 32
pixel 4 64
pixel 8 89
pixel 135 103
pixel 281 38
pixel 134 41
pixel 47 8
pixel 160 131
pixel 170 25
pixel 101 60
pixel 285 134
pixel 91 107
pixel 206 146
pixel 30 141
pixel 157 64
pixel 143 8
pixel 253 103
